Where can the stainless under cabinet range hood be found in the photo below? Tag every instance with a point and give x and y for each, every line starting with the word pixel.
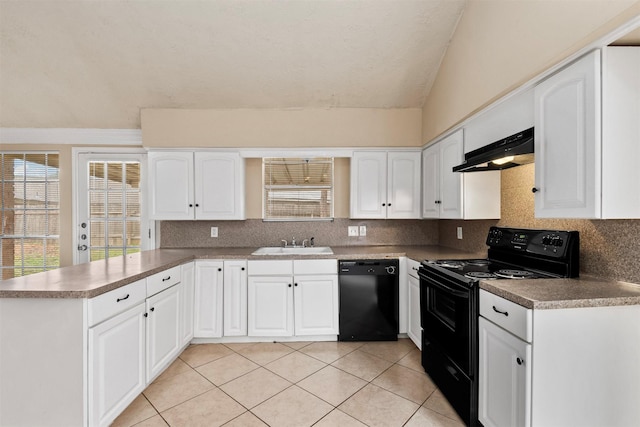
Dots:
pixel 514 150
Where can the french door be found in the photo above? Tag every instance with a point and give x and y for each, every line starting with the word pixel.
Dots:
pixel 111 218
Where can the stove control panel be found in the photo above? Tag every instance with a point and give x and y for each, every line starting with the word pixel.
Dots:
pixel 553 244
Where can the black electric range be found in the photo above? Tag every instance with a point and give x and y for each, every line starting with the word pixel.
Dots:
pixel 449 294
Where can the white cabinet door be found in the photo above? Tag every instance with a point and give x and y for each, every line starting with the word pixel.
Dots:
pixel 451 154
pixel 116 365
pixel 414 330
pixel 316 304
pixel 431 182
pixel 208 299
pixel 369 184
pixel 235 298
pixel 568 142
pixel 163 330
pixel 270 306
pixel 187 298
pixel 403 184
pixel 620 132
pixel 219 185
pixel 504 378
pixel 171 185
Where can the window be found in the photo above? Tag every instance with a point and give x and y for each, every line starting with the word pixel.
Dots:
pixel 297 189
pixel 30 210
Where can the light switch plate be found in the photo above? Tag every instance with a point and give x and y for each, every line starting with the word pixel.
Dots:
pixel 459 233
pixel 214 231
pixel 353 231
pixel 363 230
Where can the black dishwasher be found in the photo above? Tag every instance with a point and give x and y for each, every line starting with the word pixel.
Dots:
pixel 368 300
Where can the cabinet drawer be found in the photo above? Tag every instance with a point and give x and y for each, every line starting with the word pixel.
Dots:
pixel 163 280
pixel 270 268
pixel 315 266
pixel 506 314
pixel 116 301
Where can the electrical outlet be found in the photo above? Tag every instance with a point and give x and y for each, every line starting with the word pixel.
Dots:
pixel 459 233
pixel 363 230
pixel 353 231
pixel 214 231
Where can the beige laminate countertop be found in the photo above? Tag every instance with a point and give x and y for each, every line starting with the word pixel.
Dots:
pixel 95 278
pixel 585 291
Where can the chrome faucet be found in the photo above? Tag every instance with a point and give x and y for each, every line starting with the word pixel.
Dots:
pixel 304 243
pixel 284 243
pixel 293 242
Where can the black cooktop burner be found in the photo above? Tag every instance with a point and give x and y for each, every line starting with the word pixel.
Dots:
pixel 479 269
pixel 478 262
pixel 515 274
pixel 480 275
pixel 446 263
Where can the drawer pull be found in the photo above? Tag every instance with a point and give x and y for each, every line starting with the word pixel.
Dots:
pixel 166 278
pixel 506 313
pixel 123 298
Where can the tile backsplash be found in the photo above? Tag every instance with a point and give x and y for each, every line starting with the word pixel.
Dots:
pixel 255 232
pixel 608 248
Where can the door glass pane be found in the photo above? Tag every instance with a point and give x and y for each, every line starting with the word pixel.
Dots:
pixel 114 208
pixel 115 204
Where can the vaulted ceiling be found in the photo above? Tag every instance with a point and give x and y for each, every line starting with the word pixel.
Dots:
pixel 95 64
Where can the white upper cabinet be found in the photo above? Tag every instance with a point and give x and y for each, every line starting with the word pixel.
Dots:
pixel 219 185
pixel 171 185
pixel 200 185
pixel 385 184
pixel 455 195
pixel 621 132
pixel 451 154
pixel 567 141
pixel 586 138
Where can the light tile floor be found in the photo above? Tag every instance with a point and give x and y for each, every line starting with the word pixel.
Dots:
pixel 293 384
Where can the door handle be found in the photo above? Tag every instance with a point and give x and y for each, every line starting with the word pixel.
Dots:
pixel 82 247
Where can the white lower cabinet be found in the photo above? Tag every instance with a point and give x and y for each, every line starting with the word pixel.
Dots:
pixel 315 304
pixel 208 299
pixel 187 292
pixel 270 305
pixel 557 366
pixel 116 364
pixel 163 330
pixel 505 377
pixel 287 298
pixel 235 298
pixel 414 330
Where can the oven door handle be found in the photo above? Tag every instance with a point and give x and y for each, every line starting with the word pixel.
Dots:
pixel 442 287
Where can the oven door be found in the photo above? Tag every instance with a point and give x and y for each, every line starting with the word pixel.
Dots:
pixel 448 310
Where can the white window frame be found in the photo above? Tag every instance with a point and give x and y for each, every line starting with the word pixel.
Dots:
pixel 297 219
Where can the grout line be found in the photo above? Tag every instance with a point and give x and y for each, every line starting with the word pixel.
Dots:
pixel 291 384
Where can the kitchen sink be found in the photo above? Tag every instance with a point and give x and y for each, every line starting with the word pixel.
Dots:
pixel 298 250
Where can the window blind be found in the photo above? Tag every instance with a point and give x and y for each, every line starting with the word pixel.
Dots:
pixel 297 189
pixel 29 213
